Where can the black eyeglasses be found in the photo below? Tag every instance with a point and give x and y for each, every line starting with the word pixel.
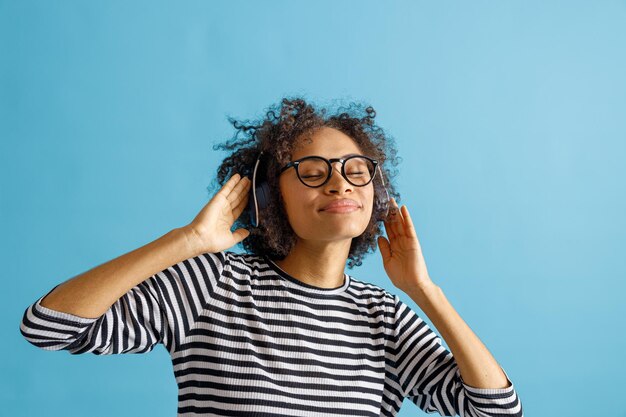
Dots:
pixel 315 171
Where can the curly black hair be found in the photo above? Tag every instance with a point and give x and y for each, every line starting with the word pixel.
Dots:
pixel 284 125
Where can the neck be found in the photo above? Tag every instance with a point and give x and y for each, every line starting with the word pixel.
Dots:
pixel 320 264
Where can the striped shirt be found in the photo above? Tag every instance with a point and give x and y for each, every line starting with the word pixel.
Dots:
pixel 246 338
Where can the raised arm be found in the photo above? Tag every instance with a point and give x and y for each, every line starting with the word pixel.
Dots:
pixel 146 296
pixel 92 293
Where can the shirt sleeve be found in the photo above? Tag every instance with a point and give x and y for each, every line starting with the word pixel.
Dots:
pixel 161 309
pixel 429 376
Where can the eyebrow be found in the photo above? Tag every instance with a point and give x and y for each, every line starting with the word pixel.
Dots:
pixel 342 157
pixel 349 154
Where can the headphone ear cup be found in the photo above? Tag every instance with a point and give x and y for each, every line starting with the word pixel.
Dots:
pixel 382 208
pixel 262 201
pixel 263 195
pixel 382 202
pixel 252 209
pixel 259 196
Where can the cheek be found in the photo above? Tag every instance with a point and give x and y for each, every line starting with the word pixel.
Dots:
pixel 369 196
pixel 284 197
pixel 282 188
pixel 290 199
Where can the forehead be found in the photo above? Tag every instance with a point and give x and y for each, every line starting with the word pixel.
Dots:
pixel 326 142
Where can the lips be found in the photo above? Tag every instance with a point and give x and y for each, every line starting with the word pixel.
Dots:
pixel 344 202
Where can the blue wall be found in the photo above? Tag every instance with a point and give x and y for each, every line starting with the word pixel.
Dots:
pixel 509 116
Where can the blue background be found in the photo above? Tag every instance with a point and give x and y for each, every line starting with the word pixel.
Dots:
pixel 509 116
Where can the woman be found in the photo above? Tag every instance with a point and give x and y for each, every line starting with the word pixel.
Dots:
pixel 281 329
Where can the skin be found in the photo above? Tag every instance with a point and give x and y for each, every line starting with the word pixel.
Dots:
pixel 321 252
pixel 319 257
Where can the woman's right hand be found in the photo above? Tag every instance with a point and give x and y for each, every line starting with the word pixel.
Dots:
pixel 210 229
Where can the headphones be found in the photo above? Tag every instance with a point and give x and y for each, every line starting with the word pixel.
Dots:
pixel 260 192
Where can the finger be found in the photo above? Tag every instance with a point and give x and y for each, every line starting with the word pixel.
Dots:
pixel 240 188
pixel 241 234
pixel 389 230
pixel 229 185
pixel 391 213
pixel 409 230
pixel 240 192
pixel 385 250
pixel 243 203
pixel 397 223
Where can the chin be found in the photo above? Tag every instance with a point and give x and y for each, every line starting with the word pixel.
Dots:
pixel 341 231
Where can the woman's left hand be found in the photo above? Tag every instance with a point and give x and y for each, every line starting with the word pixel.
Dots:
pixel 402 253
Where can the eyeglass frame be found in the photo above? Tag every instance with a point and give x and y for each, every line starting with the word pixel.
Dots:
pixel 329 162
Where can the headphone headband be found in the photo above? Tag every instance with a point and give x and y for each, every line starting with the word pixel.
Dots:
pixel 260 192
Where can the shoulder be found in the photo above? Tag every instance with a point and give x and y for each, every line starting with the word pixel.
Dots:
pixel 364 290
pixel 245 263
pixel 243 258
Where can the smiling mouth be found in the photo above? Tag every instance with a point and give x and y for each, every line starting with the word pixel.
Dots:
pixel 341 209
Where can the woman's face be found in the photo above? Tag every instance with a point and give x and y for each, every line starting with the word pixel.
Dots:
pixel 304 205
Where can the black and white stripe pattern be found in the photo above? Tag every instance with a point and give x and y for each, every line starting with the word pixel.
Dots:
pixel 246 338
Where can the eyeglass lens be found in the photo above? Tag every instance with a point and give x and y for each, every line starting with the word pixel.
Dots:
pixel 314 171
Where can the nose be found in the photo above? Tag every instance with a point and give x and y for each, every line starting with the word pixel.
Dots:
pixel 336 181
